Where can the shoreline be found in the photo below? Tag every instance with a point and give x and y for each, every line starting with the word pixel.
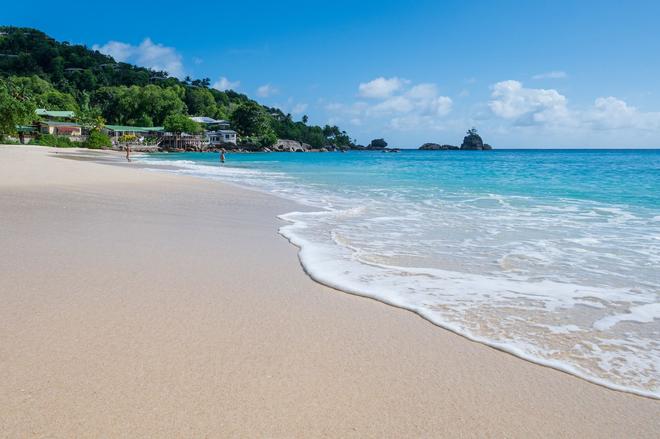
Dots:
pixel 344 286
pixel 343 365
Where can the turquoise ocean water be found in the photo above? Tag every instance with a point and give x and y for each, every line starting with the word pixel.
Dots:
pixel 551 255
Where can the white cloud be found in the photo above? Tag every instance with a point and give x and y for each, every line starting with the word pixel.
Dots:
pixel 398 105
pixel 147 54
pixel 527 106
pixel 610 113
pixel 555 74
pixel 394 104
pixel 542 107
pixel 423 91
pixel 223 84
pixel 381 87
pixel 267 90
pixel 121 52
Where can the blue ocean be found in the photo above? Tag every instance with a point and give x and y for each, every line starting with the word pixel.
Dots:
pixel 551 255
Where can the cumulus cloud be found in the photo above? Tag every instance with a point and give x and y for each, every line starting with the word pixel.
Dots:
pixel 398 103
pixel 381 87
pixel 528 106
pixel 610 113
pixel 223 84
pixel 547 107
pixel 147 53
pixel 555 74
pixel 266 90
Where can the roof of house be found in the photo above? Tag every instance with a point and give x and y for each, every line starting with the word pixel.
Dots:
pixel 130 129
pixel 60 124
pixel 226 131
pixel 54 113
pixel 208 120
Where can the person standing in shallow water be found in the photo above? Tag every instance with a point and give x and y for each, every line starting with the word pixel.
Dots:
pixel 222 156
pixel 128 153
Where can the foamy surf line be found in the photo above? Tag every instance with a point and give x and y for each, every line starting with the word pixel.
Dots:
pixel 316 264
pixel 340 266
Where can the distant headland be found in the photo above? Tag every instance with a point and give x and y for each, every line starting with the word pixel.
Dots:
pixel 471 142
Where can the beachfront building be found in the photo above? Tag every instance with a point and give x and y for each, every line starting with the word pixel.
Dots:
pixel 216 131
pixel 221 137
pixel 141 138
pixel 116 131
pixel 57 123
pixel 71 130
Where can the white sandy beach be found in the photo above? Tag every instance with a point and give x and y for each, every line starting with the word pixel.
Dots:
pixel 138 304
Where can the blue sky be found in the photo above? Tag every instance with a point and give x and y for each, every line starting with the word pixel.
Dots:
pixel 525 73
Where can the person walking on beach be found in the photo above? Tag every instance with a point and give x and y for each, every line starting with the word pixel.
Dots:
pixel 222 156
pixel 128 152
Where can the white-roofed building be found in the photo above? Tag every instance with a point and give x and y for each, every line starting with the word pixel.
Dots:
pixel 208 121
pixel 220 137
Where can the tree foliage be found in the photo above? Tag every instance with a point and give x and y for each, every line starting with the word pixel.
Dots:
pixel 142 106
pixel 98 140
pixel 62 76
pixel 250 119
pixel 178 123
pixel 16 108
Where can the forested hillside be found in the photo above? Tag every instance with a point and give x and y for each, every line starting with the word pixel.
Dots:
pixel 42 72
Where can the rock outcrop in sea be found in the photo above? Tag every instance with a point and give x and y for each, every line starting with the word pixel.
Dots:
pixel 286 145
pixel 437 147
pixel 471 142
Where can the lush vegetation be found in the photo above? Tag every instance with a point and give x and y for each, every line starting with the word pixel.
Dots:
pixel 51 140
pixel 98 140
pixel 16 108
pixel 38 71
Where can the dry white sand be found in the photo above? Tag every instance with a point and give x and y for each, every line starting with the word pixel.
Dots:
pixel 136 304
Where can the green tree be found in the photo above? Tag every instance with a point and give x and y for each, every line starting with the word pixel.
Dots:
pixel 135 105
pixel 43 94
pixel 98 140
pixel 200 102
pixel 178 123
pixel 16 108
pixel 250 119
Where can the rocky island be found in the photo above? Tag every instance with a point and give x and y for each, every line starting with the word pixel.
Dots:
pixel 471 142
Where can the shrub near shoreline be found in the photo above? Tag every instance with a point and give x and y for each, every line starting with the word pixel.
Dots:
pixel 51 140
pixel 96 140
